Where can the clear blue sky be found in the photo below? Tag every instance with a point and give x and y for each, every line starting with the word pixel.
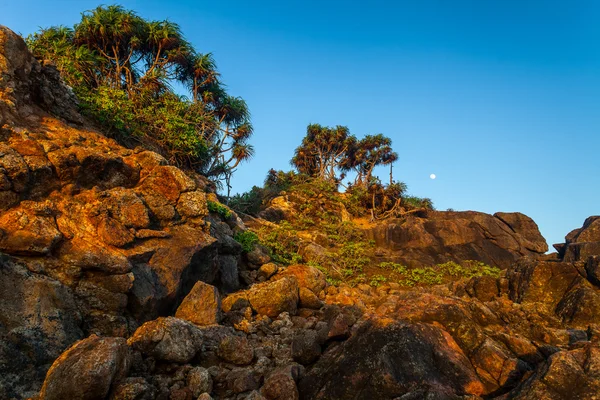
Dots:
pixel 500 99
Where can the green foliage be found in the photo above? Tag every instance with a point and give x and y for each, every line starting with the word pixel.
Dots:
pixel 218 208
pixel 282 242
pixel 394 267
pixel 247 239
pixel 352 256
pixel 249 202
pixel 377 280
pixel 123 68
pixel 413 202
pixel 439 273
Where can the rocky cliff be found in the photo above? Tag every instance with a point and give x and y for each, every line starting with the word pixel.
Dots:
pixel 96 238
pixel 116 282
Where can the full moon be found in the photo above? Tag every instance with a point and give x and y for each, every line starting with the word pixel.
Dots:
pixel 432 176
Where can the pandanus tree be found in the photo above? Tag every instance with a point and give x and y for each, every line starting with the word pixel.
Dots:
pixel 368 153
pixel 123 68
pixel 322 151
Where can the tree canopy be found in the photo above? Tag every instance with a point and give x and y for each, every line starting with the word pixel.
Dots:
pixel 124 68
pixel 325 151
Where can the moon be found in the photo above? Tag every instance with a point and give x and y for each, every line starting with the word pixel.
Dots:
pixel 432 176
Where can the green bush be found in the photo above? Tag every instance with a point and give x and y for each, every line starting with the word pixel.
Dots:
pixel 282 242
pixel 218 208
pixel 247 239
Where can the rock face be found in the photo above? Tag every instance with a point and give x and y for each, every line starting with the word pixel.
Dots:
pixel 444 236
pixel 105 237
pixel 581 243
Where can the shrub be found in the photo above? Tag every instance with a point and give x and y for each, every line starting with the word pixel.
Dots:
pixel 247 239
pixel 218 208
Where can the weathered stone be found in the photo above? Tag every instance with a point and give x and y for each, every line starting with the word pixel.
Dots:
pixel 199 381
pixel 28 230
pixel 305 346
pixel 192 204
pixel 280 385
pixel 273 298
pixel 389 360
pixel 236 350
pixel 242 380
pixel 87 370
pixel 266 271
pixel 441 236
pixel 169 339
pixel 307 277
pixel 202 306
pixel 133 389
pixel 235 301
pixel 309 300
pixel 39 319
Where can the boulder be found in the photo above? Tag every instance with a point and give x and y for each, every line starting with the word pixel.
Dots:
pixel 236 350
pixel 305 346
pixel 266 271
pixel 443 236
pixel 202 306
pixel 273 298
pixel 280 385
pixel 199 381
pixel 565 375
pixel 307 276
pixel 392 359
pixel 87 370
pixel 168 339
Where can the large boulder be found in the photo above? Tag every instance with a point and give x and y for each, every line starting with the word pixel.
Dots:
pixel 202 306
pixel 168 339
pixel 87 370
pixel 581 243
pixel 390 360
pixel 565 375
pixel 442 236
pixel 273 298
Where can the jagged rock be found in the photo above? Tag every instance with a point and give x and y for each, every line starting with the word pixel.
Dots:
pixel 581 243
pixel 258 256
pixel 39 319
pixel 458 236
pixel 87 370
pixel 541 282
pixel 235 301
pixel 243 380
pixel 566 375
pixel 266 271
pixel 308 299
pixel 305 346
pixel 388 360
pixel 307 276
pixel 273 298
pixel 202 306
pixel 169 339
pixel 133 389
pixel 236 350
pixel 199 381
pixel 280 385
pixel 592 268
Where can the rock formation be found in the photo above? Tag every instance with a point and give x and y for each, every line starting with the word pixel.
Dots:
pixel 96 238
pixel 100 246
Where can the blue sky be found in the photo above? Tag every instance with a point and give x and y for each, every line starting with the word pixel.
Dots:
pixel 500 99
